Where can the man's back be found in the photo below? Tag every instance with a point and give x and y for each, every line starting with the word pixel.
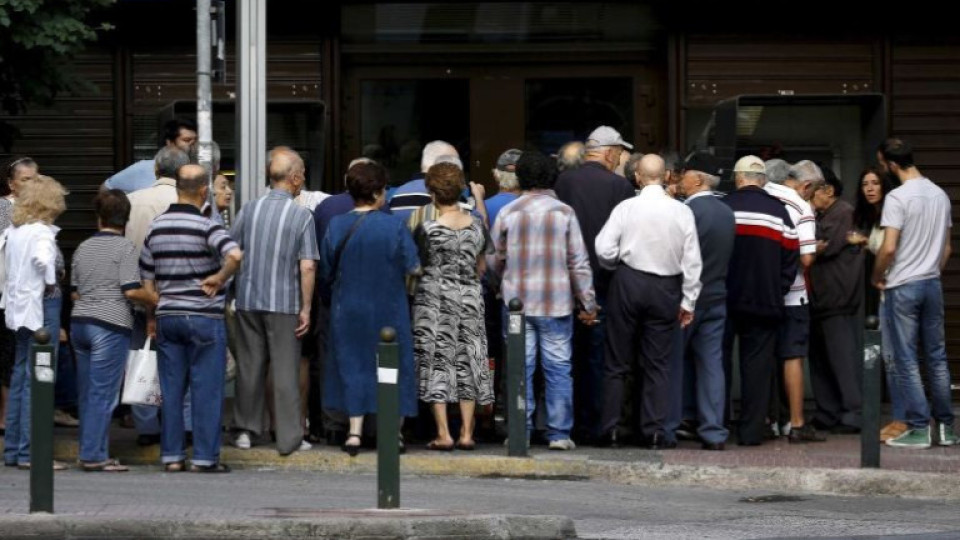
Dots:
pixel 716 230
pixel 801 214
pixel 920 210
pixel 146 205
pixel 409 197
pixel 275 233
pixel 593 192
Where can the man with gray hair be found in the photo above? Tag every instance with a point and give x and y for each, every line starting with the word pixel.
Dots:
pixel 762 269
pixel 414 194
pixel 570 156
pixel 793 337
pixel 505 174
pixel 631 170
pixel 593 191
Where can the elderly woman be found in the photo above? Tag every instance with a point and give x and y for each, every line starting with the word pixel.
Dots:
pixel 16 171
pixel 366 255
pixel 105 277
pixel 31 299
pixel 450 342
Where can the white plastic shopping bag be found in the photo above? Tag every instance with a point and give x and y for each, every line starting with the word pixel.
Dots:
pixel 141 385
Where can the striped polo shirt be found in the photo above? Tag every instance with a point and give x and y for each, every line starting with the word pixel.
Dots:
pixel 182 248
pixel 275 234
pixel 104 267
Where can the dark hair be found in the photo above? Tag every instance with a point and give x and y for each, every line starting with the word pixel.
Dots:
pixel 171 130
pixel 113 208
pixel 866 215
pixel 10 167
pixel 191 178
pixel 445 182
pixel 535 171
pixel 897 151
pixel 830 179
pixel 365 180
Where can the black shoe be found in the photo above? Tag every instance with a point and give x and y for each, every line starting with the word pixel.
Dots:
pixel 821 425
pixel 659 442
pixel 715 446
pixel 335 437
pixel 608 440
pixel 843 429
pixel 687 431
pixel 148 440
pixel 805 434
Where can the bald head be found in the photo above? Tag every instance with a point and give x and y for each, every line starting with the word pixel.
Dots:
pixel 570 156
pixel 191 179
pixel 284 166
pixel 651 170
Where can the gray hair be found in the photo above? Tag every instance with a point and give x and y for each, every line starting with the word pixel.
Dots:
pixel 710 180
pixel 168 160
pixel 432 152
pixel 449 158
pixel 214 158
pixel 507 180
pixel 777 170
pixel 756 177
pixel 630 169
pixel 806 171
pixel 566 162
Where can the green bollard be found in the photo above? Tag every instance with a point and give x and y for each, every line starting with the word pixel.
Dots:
pixel 516 360
pixel 872 369
pixel 43 369
pixel 388 421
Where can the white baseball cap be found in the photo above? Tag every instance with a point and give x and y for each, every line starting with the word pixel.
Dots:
pixel 750 164
pixel 607 136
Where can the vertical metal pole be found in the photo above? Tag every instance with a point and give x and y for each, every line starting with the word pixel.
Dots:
pixel 43 368
pixel 204 108
pixel 872 369
pixel 251 110
pixel 516 359
pixel 388 421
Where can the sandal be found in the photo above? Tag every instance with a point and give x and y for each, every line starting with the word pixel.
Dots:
pixel 439 447
pixel 110 465
pixel 352 449
pixel 175 466
pixel 57 466
pixel 215 468
pixel 469 447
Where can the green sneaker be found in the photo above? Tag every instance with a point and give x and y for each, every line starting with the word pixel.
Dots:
pixel 912 438
pixel 947 437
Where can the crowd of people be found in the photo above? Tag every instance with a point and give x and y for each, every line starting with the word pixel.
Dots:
pixel 637 278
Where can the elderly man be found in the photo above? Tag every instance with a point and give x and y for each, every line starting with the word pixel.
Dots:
pixel 414 194
pixel 916 247
pixel 540 258
pixel 762 269
pixel 654 289
pixel 570 156
pixel 506 176
pixel 177 133
pixel 145 205
pixel 181 261
pixel 836 293
pixel 703 339
pixel 593 190
pixel 274 298
pixel 794 191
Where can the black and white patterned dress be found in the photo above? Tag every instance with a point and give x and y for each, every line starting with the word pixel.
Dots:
pixel 449 339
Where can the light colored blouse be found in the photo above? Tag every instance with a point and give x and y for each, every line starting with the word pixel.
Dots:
pixel 32 253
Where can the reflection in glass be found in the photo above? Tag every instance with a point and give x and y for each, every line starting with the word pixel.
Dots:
pixel 563 110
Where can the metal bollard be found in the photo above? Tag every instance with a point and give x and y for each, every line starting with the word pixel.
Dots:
pixel 516 359
pixel 43 369
pixel 388 422
pixel 872 369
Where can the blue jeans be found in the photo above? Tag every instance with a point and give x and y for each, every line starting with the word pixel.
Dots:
pixel 146 419
pixel 915 310
pixel 553 337
pixel 889 367
pixel 191 355
pixel 101 355
pixel 16 442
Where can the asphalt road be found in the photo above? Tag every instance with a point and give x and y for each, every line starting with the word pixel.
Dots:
pixel 600 511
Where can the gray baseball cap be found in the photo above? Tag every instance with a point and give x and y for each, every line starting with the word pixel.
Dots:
pixel 507 161
pixel 607 136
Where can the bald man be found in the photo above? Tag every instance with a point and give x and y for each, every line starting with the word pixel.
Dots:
pixel 651 244
pixel 274 296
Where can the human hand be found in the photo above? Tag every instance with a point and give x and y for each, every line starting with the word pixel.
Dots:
pixel 880 283
pixel 685 317
pixel 856 238
pixel 212 285
pixel 822 245
pixel 478 191
pixel 152 328
pixel 589 318
pixel 303 323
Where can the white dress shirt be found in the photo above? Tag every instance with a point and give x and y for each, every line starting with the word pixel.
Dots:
pixel 31 259
pixel 655 234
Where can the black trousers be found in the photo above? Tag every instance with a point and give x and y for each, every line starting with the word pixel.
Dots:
pixel 836 370
pixel 642 310
pixel 758 338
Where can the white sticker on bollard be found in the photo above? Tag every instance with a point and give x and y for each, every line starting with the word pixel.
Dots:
pixel 516 324
pixel 387 375
pixel 44 374
pixel 43 359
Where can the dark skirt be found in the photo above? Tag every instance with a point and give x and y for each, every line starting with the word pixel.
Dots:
pixel 8 345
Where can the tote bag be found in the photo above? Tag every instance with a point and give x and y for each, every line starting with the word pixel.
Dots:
pixel 141 385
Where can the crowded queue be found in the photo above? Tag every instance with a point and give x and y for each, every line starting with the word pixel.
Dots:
pixel 636 286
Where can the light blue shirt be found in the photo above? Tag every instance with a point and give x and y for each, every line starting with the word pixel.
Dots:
pixel 138 176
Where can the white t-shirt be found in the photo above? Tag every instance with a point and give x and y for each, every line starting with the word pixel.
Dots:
pixel 920 210
pixel 806 223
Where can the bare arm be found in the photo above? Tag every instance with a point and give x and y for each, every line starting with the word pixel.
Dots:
pixel 231 262
pixel 150 288
pixel 891 238
pixel 141 296
pixel 806 260
pixel 308 273
pixel 947 251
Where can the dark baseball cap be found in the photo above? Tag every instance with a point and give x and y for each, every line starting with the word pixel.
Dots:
pixel 507 161
pixel 703 162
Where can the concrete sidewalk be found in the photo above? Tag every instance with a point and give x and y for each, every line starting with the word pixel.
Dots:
pixel 825 468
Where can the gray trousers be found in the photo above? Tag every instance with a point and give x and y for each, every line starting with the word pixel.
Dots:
pixel 262 339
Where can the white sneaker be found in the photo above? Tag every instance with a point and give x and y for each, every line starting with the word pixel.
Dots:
pixel 562 444
pixel 242 441
pixel 304 446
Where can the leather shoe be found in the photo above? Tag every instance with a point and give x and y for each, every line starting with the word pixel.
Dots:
pixel 660 442
pixel 715 446
pixel 607 440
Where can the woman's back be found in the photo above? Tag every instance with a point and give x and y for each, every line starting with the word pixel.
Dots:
pixel 451 253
